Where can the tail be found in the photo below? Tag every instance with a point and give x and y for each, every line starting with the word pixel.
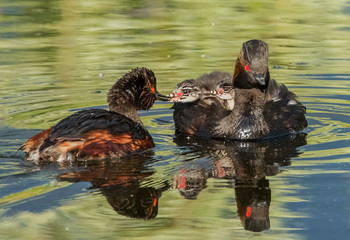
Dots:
pixel 31 146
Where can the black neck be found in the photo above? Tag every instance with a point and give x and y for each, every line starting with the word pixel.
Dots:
pixel 245 81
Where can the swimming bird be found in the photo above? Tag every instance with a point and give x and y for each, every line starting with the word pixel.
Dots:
pixel 98 133
pixel 261 109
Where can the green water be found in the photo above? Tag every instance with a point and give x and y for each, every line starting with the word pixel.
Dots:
pixel 57 57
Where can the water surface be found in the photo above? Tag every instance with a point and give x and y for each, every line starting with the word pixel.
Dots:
pixel 62 56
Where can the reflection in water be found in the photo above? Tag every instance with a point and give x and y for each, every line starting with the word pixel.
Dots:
pixel 59 56
pixel 248 164
pixel 253 201
pixel 132 200
pixel 190 181
pixel 120 182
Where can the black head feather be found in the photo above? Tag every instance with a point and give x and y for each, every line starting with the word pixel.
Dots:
pixel 135 90
pixel 251 70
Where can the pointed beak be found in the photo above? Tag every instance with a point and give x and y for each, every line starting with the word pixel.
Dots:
pixel 162 97
pixel 175 96
pixel 260 78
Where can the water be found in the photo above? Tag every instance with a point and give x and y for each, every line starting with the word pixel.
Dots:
pixel 58 57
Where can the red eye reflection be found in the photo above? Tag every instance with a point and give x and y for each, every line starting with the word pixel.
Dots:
pixel 247 67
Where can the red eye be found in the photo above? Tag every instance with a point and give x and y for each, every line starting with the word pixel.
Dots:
pixel 247 68
pixel 249 211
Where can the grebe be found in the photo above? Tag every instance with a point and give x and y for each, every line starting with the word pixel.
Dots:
pixel 260 109
pixel 98 133
pixel 197 107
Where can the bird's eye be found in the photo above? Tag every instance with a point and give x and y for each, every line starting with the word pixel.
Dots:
pixel 247 68
pixel 153 90
pixel 186 91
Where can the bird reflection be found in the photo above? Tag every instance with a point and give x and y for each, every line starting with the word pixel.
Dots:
pixel 253 201
pixel 120 180
pixel 191 181
pixel 247 164
pixel 128 188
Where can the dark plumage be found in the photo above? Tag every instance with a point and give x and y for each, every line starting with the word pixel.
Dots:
pixel 99 133
pixel 195 103
pixel 261 108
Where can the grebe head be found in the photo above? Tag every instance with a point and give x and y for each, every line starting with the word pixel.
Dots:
pixel 135 90
pixel 185 91
pixel 251 70
pixel 225 90
pixel 189 91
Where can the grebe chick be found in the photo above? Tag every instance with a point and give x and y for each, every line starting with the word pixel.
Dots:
pixel 98 133
pixel 225 91
pixel 186 91
pixel 202 102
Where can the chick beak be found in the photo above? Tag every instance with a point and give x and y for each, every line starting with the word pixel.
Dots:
pixel 175 96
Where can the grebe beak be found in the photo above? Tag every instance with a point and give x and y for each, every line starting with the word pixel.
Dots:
pixel 162 97
pixel 260 78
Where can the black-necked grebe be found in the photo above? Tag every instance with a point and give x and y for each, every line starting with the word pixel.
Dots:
pixel 262 109
pixel 98 133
